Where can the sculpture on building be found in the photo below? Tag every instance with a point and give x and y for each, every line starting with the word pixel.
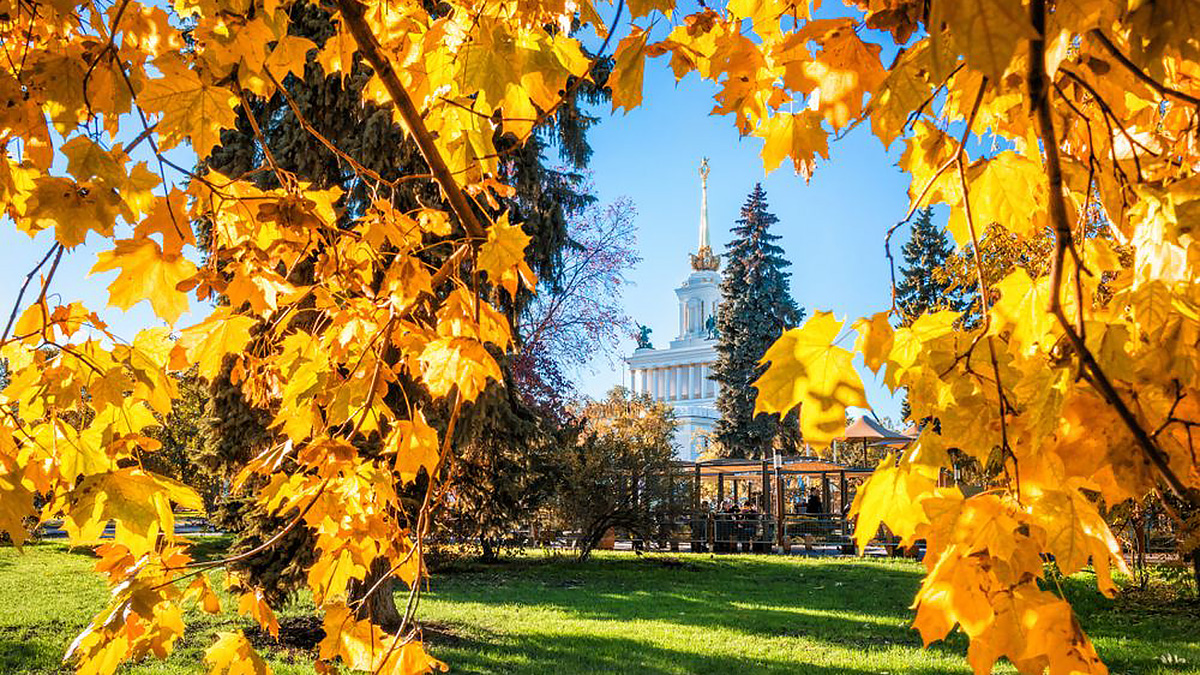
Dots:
pixel 710 327
pixel 643 337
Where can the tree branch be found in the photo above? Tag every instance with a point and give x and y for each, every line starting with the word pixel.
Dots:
pixel 1039 96
pixel 355 21
pixel 1140 74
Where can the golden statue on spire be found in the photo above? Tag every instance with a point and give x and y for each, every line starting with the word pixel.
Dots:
pixel 703 259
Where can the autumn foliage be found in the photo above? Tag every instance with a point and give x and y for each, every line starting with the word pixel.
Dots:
pixel 1027 115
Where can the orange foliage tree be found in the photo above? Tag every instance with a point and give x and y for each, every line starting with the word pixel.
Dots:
pixel 1088 399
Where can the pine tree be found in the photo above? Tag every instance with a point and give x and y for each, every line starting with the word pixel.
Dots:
pixel 756 307
pixel 921 288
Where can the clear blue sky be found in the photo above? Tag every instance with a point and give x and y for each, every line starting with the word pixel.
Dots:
pixel 832 227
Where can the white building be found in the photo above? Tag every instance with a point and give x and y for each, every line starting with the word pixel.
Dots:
pixel 679 375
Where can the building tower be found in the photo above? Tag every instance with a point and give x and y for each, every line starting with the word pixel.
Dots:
pixel 679 374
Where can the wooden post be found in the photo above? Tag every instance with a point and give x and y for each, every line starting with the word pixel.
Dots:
pixel 780 510
pixel 765 497
pixel 736 501
pixel 825 496
pixel 720 489
pixel 672 521
pixel 844 486
pixel 671 489
pixel 696 495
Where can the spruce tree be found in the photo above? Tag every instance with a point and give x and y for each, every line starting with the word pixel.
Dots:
pixel 335 106
pixel 756 307
pixel 921 288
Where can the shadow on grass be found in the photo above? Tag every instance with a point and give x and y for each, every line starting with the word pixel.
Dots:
pixel 850 604
pixel 586 654
pixel 755 595
pixel 29 655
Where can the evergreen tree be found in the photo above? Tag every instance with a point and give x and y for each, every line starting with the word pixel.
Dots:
pixel 922 287
pixel 335 106
pixel 756 307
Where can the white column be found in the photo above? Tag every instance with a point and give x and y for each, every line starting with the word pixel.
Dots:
pixel 658 383
pixel 698 384
pixel 685 382
pixel 710 387
pixel 635 380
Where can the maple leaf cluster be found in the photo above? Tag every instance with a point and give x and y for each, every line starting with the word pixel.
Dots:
pixel 1076 121
pixel 97 99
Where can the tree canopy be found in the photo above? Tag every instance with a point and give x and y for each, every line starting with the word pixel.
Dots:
pixel 1022 116
pixel 756 307
pixel 923 288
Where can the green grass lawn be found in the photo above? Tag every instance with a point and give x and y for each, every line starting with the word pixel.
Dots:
pixel 622 613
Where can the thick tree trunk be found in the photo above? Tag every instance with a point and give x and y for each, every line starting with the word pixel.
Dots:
pixel 1196 571
pixel 490 549
pixel 380 608
pixel 592 538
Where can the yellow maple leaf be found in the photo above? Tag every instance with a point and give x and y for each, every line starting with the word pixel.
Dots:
pixel 193 109
pixel 207 343
pixel 462 362
pixel 232 654
pixel 330 575
pixel 146 273
pixel 875 337
pixel 251 603
pixel 929 148
pixel 502 256
pixel 843 72
pixel 987 32
pixel 640 8
pixel 1008 189
pixel 87 160
pixel 338 53
pixel 626 79
pixel 16 504
pixel 359 644
pixel 892 496
pixel 203 593
pixel 415 445
pixel 903 90
pixel 168 218
pixel 412 658
pixel 457 318
pixel 288 57
pixel 1023 308
pixel 796 135
pixel 807 369
pixel 139 502
pixel 72 209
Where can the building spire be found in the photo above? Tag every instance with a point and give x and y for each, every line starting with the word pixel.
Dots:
pixel 703 259
pixel 703 204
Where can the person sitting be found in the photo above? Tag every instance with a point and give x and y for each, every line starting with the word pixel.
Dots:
pixel 814 506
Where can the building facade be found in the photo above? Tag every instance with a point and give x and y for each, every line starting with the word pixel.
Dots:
pixel 679 375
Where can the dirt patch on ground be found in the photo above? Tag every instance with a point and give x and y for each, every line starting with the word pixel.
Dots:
pixel 300 635
pixel 438 634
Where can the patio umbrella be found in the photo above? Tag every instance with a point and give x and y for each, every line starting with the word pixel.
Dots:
pixel 870 432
